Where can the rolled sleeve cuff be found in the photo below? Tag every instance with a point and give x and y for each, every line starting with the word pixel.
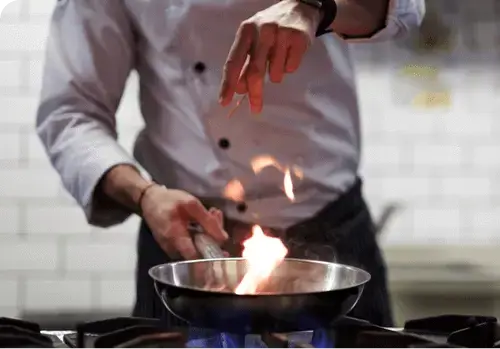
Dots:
pixel 105 159
pixel 82 165
pixel 401 17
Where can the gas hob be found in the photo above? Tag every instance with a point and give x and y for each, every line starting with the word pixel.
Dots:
pixel 447 331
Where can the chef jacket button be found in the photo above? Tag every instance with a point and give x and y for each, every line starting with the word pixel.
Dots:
pixel 200 67
pixel 242 207
pixel 224 143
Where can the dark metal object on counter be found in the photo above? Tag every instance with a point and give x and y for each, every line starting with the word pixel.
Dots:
pixel 24 334
pixel 57 320
pixel 299 295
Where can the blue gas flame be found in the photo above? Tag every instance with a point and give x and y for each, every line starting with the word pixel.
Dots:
pixel 201 338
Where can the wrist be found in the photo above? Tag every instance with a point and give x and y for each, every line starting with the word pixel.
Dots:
pixel 125 185
pixel 327 13
pixel 313 13
pixel 143 193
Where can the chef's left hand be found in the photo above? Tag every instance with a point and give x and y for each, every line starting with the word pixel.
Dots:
pixel 275 39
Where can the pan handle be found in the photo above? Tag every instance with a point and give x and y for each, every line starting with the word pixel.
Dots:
pixel 205 245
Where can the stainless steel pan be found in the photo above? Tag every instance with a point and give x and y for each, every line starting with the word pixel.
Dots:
pixel 299 295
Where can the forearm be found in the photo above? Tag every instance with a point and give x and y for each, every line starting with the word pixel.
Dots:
pixel 360 18
pixel 122 185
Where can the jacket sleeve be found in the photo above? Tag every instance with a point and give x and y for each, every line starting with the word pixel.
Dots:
pixel 89 57
pixel 402 16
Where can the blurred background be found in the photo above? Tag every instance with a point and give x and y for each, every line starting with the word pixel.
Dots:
pixel 431 163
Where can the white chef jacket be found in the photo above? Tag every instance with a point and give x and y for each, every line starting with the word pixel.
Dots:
pixel 310 121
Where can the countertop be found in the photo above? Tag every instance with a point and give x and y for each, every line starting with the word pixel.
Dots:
pixel 456 268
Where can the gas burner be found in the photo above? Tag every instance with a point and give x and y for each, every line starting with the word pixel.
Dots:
pixel 151 333
pixel 22 334
pixel 447 331
pixel 442 332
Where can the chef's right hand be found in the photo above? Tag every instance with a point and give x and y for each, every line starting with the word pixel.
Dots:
pixel 168 213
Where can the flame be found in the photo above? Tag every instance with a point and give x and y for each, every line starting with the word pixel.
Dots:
pixel 261 162
pixel 288 185
pixel 263 254
pixel 234 191
pixel 297 171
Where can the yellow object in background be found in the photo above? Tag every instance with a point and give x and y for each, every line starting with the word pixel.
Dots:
pixel 420 72
pixel 432 99
pixel 424 86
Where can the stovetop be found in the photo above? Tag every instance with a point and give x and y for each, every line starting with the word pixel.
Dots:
pixel 447 331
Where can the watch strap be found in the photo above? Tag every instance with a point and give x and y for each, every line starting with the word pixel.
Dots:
pixel 328 9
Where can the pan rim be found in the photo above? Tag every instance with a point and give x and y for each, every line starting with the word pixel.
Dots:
pixel 367 277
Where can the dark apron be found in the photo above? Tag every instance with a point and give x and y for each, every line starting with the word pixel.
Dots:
pixel 342 232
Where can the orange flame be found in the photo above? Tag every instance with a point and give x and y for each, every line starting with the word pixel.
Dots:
pixel 234 191
pixel 261 162
pixel 297 171
pixel 288 185
pixel 263 254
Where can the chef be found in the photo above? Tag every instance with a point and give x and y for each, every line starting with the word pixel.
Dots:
pixel 285 63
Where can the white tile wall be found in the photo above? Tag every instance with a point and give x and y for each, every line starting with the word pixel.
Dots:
pixel 10 219
pixel 9 287
pixel 56 294
pixel 443 165
pixel 20 254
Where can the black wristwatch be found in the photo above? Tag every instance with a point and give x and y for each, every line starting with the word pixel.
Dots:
pixel 329 10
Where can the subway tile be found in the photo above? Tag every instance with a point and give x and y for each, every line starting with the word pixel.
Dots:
pixel 465 125
pixel 18 110
pixel 100 254
pixel 29 183
pixel 65 198
pixel 400 228
pixel 486 219
pixel 407 187
pixel 370 122
pixel 10 312
pixel 129 112
pixel 400 121
pixel 28 255
pixel 12 10
pixel 127 139
pixel 41 8
pixel 436 224
pixel 117 294
pixel 36 153
pixel 9 219
pixel 10 147
pixel 26 37
pixel 486 156
pixel 131 117
pixel 57 294
pixel 372 188
pixel 10 71
pixel 437 155
pixel 9 290
pixel 381 154
pixel 36 74
pixel 56 220
pixel 466 187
